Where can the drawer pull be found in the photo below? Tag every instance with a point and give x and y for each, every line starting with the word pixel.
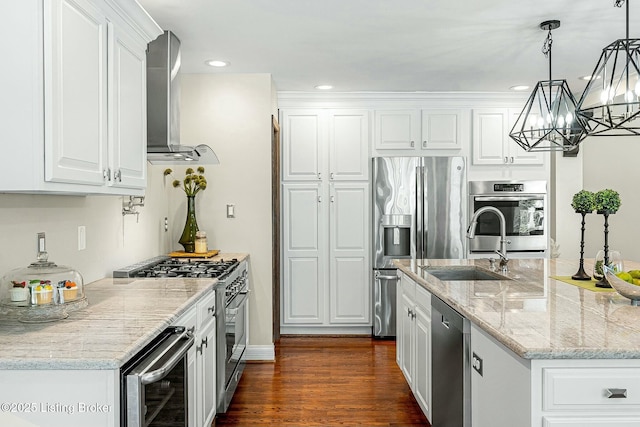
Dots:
pixel 616 393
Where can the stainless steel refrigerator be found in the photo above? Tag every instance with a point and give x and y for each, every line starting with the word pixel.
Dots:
pixel 419 211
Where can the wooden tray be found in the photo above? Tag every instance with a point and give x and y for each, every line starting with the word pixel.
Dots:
pixel 182 254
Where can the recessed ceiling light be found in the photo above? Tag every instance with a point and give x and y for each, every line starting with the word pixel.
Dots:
pixel 519 87
pixel 216 63
pixel 324 87
pixel 588 78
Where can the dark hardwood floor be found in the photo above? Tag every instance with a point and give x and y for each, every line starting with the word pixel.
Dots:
pixel 325 381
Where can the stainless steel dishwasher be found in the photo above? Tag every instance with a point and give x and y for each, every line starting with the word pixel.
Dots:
pixel 451 367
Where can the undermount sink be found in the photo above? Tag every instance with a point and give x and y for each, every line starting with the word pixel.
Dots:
pixel 463 273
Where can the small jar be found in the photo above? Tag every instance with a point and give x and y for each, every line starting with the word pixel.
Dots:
pixel 201 242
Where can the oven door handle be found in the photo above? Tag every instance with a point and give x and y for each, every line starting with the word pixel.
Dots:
pixel 505 198
pixel 238 302
pixel 178 353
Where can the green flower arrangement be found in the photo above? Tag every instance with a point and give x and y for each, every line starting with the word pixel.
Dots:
pixel 584 201
pixel 607 201
pixel 193 182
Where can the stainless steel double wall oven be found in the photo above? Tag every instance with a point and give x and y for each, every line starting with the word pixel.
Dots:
pixel 524 206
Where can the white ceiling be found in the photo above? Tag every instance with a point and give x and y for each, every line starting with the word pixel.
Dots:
pixel 394 45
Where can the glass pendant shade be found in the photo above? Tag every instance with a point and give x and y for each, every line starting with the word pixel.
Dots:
pixel 548 121
pixel 610 103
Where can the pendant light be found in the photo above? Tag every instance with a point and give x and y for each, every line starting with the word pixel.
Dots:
pixel 610 103
pixel 548 121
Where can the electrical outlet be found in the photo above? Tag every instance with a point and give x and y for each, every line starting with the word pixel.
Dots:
pixel 476 362
pixel 82 238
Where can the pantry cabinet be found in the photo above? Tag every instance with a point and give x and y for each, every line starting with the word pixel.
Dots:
pixel 413 344
pixel 325 207
pixel 491 142
pixel 76 108
pixel 418 130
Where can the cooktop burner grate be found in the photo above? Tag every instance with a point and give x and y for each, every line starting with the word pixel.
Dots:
pixel 179 267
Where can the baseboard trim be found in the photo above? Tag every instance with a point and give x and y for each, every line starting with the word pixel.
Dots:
pixel 260 353
pixel 325 330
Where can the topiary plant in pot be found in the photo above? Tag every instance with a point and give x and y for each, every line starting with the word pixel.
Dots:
pixel 583 202
pixel 607 203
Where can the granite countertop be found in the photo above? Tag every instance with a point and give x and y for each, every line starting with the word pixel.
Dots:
pixel 123 315
pixel 536 316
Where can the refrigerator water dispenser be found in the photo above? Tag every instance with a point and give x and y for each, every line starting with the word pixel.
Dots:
pixel 396 235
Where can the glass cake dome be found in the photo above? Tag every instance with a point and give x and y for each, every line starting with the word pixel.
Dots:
pixel 42 291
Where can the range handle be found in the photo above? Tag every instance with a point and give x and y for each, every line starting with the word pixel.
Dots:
pixel 379 276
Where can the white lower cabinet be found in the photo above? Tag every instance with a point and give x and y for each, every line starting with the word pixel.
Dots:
pixel 326 254
pixel 205 344
pixel 512 391
pixel 413 340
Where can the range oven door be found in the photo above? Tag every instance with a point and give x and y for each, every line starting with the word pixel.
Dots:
pixel 154 390
pixel 236 336
pixel 525 223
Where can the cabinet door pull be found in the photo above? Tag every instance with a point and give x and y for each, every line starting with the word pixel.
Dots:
pixel 106 174
pixel 511 159
pixel 319 175
pixel 413 144
pixel 117 175
pixel 319 199
pixel 331 175
pixel 205 342
pixel 506 160
pixel 333 199
pixel 616 393
pixel 211 309
pixel 424 144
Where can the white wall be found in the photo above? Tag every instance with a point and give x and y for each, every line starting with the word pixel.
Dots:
pixel 566 180
pixel 232 114
pixel 113 241
pixel 614 162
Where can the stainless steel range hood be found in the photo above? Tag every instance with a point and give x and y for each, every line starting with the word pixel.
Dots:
pixel 163 107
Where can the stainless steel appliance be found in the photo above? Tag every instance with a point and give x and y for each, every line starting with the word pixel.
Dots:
pixel 231 310
pixel 163 107
pixel 154 382
pixel 232 337
pixel 450 366
pixel 419 211
pixel 524 206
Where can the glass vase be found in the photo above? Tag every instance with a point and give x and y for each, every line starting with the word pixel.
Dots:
pixel 188 238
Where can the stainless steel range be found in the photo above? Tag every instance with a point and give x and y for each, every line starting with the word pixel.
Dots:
pixel 232 292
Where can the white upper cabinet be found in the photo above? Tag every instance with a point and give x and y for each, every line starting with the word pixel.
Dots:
pixel 419 130
pixel 491 142
pixel 397 129
pixel 75 92
pixel 76 112
pixel 441 129
pixel 325 144
pixel 302 142
pixel 348 145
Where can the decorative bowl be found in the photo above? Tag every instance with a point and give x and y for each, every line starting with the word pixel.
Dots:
pixel 625 289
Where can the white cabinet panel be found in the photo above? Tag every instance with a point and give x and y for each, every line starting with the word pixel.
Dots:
pixel 620 421
pixel 397 129
pixel 301 217
pixel 127 110
pixel 349 144
pixel 75 95
pixel 303 293
pixel 206 364
pixel 442 129
pixel 491 142
pixel 301 145
pixel 422 379
pixel 349 291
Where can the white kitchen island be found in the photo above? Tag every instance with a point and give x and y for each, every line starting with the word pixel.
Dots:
pixel 67 373
pixel 553 354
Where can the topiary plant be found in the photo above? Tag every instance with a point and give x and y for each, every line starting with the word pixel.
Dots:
pixel 584 201
pixel 607 201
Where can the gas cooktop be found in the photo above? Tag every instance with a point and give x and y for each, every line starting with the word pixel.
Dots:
pixel 179 267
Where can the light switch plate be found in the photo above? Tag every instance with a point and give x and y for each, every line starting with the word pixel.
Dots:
pixel 231 211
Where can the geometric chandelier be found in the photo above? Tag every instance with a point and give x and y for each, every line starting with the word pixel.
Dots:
pixel 610 103
pixel 548 121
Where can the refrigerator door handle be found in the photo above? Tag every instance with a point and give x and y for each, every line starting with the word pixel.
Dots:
pixel 419 212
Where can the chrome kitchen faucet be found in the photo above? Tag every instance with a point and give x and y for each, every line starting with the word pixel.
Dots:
pixel 502 252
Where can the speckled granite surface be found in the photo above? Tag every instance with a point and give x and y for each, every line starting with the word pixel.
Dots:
pixel 123 315
pixel 538 317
